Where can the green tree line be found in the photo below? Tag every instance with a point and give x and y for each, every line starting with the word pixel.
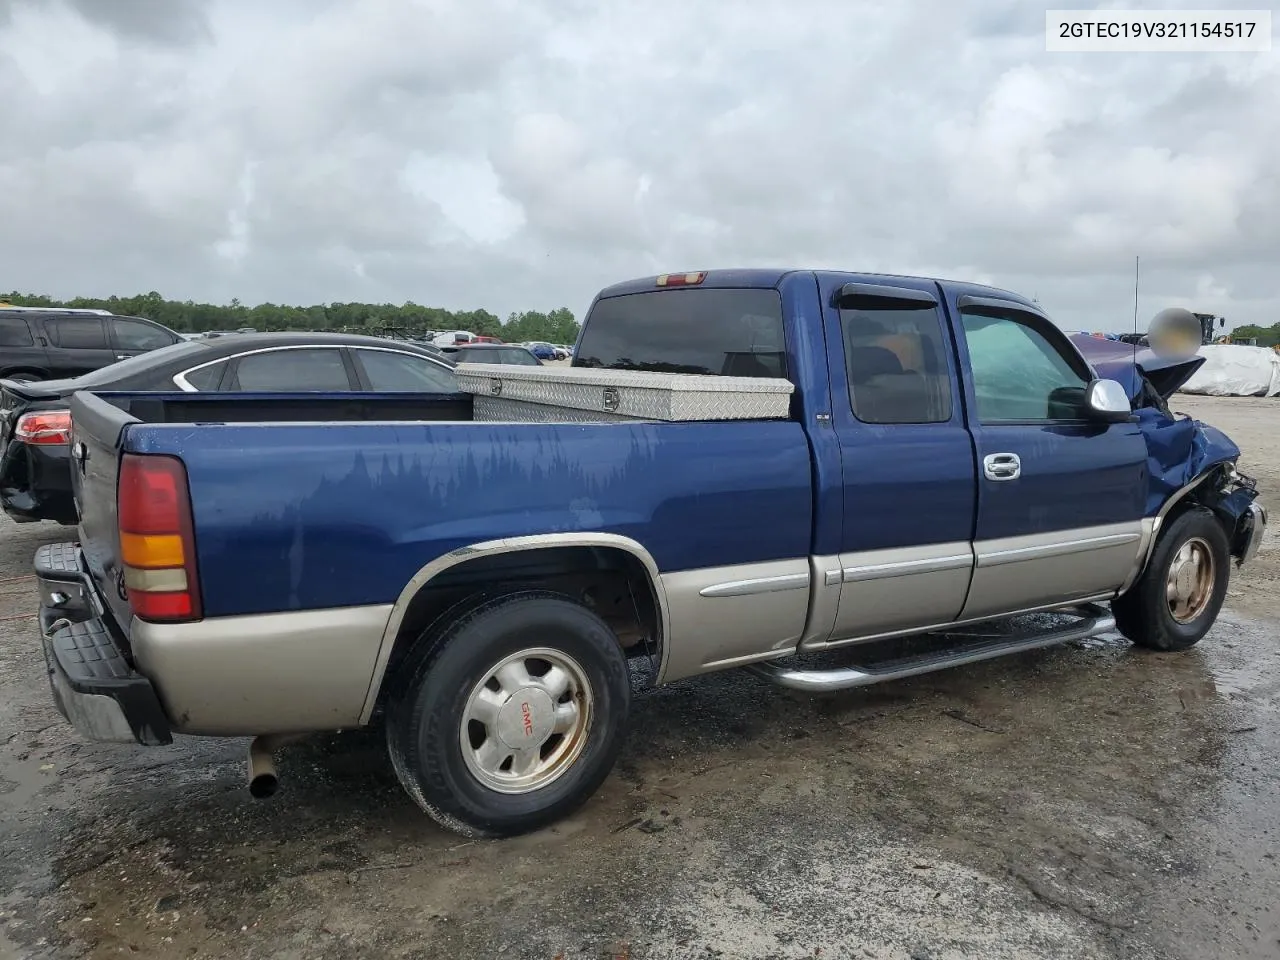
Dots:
pixel 410 319
pixel 1267 336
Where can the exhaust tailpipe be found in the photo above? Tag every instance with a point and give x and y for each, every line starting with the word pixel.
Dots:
pixel 263 779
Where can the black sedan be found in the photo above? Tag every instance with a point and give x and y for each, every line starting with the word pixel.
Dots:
pixel 35 419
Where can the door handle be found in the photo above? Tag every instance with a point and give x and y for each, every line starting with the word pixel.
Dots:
pixel 1001 466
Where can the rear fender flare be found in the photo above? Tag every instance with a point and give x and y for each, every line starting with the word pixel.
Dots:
pixel 510 545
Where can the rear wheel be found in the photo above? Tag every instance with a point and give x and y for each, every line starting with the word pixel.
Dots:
pixel 511 715
pixel 1177 599
pixel 23 376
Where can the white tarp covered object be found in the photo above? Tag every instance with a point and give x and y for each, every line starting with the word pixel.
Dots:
pixel 1234 370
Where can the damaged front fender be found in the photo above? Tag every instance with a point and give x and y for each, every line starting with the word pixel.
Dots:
pixel 1191 461
pixel 1188 461
pixel 1180 451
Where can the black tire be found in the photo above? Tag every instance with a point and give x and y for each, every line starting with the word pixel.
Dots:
pixel 1143 614
pixel 23 376
pixel 426 707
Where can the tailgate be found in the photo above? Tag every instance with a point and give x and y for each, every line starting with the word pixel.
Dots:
pixel 97 434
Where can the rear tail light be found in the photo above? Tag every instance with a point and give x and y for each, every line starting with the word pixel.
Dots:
pixel 681 279
pixel 51 428
pixel 157 539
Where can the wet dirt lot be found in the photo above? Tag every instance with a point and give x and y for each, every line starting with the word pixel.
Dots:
pixel 1088 801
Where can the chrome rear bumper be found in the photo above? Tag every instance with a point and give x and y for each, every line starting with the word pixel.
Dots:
pixel 93 683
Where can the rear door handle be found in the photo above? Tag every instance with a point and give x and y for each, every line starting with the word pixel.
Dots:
pixel 1001 466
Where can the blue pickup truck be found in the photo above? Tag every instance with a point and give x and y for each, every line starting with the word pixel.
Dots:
pixel 487 589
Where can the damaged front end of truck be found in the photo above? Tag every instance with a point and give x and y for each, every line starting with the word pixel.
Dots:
pixel 1188 461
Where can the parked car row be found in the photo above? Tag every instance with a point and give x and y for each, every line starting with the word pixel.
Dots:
pixel 549 351
pixel 46 354
pixel 35 417
pixel 47 344
pixel 452 339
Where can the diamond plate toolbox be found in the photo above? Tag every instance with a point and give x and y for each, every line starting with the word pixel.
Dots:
pixel 630 394
pixel 499 409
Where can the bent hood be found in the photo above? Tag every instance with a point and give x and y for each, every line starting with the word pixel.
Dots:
pixel 1115 360
pixel 1179 448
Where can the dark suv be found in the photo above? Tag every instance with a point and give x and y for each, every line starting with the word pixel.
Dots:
pixel 52 344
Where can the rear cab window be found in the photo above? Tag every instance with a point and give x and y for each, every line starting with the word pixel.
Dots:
pixel 726 332
pixel 895 359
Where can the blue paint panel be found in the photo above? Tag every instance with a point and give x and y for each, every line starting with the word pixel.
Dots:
pixel 907 485
pixel 806 344
pixel 300 516
pixel 1072 476
pixel 904 484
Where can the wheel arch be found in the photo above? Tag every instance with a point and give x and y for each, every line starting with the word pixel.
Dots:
pixel 1181 499
pixel 414 609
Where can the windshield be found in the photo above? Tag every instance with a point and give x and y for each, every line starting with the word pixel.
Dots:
pixel 142 362
pixel 718 332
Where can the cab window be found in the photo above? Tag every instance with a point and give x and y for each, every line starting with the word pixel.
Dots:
pixel 1018 374
pixel 710 331
pixel 895 361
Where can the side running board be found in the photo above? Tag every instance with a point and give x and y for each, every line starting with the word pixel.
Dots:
pixel 1095 620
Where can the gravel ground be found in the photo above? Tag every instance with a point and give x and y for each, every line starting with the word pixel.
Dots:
pixel 1093 801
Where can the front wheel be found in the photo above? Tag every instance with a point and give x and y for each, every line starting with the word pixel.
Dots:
pixel 511 716
pixel 1179 595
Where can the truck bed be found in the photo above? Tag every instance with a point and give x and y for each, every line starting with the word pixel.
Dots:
pixel 309 503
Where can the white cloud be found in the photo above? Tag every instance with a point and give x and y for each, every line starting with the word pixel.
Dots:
pixel 522 153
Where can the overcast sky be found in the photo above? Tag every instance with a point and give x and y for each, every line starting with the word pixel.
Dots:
pixel 519 154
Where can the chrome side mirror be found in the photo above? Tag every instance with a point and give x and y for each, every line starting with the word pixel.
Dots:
pixel 1107 401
